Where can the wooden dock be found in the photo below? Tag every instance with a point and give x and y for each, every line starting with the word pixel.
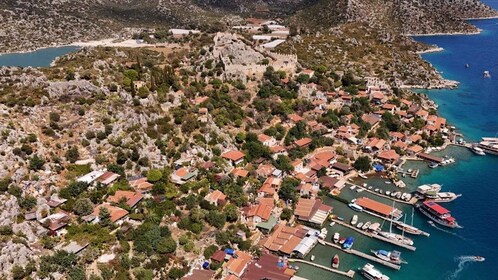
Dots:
pixel 376 236
pixel 349 273
pixel 361 254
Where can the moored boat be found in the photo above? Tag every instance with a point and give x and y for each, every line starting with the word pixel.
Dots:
pixel 366 225
pixel 371 273
pixel 348 243
pixel 478 151
pixel 342 240
pixel 354 220
pixel 359 225
pixel 361 175
pixel 489 145
pixel 396 237
pixel 335 238
pixel 392 256
pixel 335 261
pixel 355 207
pixel 312 257
pixel 438 214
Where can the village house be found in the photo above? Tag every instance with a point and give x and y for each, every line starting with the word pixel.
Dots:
pixel 235 157
pixel 117 213
pixel 239 172
pixel 372 119
pixel 302 143
pixel 140 184
pixel 237 265
pixel 267 140
pixel 183 175
pixel 312 211
pixel 130 198
pixel 389 156
pixel 341 168
pixel 255 214
pixel 55 223
pixel 264 170
pixel 216 198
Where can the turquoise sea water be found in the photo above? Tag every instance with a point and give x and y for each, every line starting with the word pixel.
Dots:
pixel 473 109
pixel 38 58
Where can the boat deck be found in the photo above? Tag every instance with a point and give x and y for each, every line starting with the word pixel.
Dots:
pixel 349 273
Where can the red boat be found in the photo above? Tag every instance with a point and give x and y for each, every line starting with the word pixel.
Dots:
pixel 438 214
pixel 335 261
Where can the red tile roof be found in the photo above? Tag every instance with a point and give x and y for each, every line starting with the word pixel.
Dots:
pixel 303 142
pixel 376 206
pixel 132 198
pixel 233 155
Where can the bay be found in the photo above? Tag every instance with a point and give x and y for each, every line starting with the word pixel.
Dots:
pixel 38 58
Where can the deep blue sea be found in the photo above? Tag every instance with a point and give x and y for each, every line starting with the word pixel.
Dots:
pixel 473 109
pixel 38 58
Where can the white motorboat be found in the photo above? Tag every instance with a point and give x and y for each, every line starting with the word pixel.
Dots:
pixel 371 273
pixel 359 225
pixel 354 220
pixel 478 151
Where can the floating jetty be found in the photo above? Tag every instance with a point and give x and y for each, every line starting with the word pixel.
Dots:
pixel 376 236
pixel 349 273
pixel 361 254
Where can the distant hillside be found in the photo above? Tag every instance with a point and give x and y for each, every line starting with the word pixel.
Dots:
pixel 30 24
pixel 408 17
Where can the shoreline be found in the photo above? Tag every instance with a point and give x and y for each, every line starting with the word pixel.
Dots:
pixel 431 50
pixel 445 34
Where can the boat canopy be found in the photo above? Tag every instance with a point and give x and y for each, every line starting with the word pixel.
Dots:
pixel 436 207
pixel 383 252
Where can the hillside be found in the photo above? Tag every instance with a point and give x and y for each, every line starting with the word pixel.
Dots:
pixel 407 17
pixel 39 23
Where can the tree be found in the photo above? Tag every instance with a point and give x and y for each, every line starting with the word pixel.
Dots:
pixel 286 214
pixel 154 175
pixel 36 163
pixel 175 273
pixel 216 219
pixel 288 189
pixel 209 251
pixel 283 163
pixel 166 246
pixel 104 217
pixel 72 155
pixel 232 213
pixel 362 163
pixel 83 206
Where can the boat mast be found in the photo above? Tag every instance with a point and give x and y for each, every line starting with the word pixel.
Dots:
pixel 403 231
pixel 391 220
pixel 412 216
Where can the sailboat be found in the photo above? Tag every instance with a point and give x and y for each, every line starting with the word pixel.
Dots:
pixel 394 236
pixel 410 228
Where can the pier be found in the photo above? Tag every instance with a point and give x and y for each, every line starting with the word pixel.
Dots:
pixel 412 201
pixel 349 273
pixel 376 236
pixel 361 254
